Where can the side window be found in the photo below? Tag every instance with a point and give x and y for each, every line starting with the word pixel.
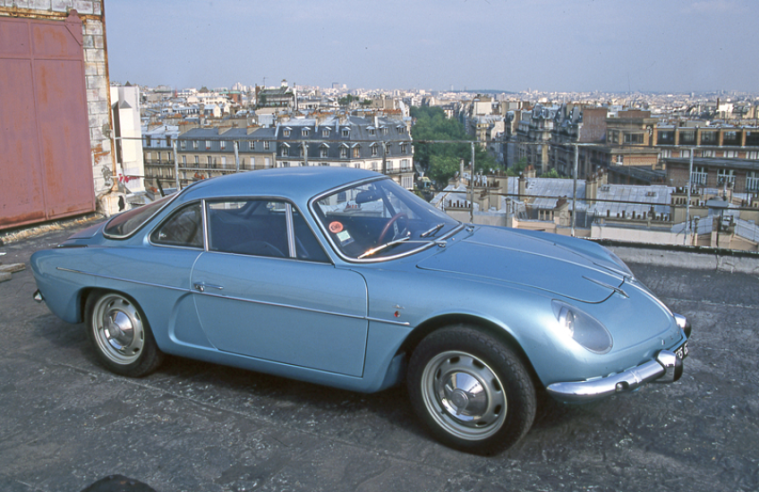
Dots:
pixel 307 247
pixel 183 228
pixel 248 227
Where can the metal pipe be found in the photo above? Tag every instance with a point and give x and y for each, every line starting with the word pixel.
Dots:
pixel 176 166
pixel 235 146
pixel 686 229
pixel 574 190
pixel 471 189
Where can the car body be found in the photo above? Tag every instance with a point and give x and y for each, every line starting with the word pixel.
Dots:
pixel 340 277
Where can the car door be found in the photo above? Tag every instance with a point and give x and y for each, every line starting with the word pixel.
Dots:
pixel 264 288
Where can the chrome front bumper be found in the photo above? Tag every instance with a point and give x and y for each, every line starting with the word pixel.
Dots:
pixel 666 367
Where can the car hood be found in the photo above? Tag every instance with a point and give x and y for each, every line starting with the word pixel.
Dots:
pixel 585 273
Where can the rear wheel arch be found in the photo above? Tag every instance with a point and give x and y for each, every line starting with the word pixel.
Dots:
pixel 144 355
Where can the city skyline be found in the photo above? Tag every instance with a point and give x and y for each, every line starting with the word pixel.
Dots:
pixel 548 45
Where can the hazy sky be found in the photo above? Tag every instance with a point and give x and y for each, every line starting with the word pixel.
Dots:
pixel 548 45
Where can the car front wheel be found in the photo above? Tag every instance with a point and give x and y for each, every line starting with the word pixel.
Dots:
pixel 471 390
pixel 118 329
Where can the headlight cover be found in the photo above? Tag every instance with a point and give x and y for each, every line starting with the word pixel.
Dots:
pixel 582 327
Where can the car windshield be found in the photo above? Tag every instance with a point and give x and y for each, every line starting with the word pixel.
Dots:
pixel 379 220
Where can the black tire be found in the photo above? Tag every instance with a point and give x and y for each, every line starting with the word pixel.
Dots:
pixel 120 333
pixel 497 407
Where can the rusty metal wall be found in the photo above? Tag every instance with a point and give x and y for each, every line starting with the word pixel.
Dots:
pixel 45 157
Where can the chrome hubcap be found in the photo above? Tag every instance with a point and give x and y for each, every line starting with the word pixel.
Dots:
pixel 118 329
pixel 464 395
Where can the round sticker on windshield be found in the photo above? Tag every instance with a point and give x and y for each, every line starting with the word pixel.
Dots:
pixel 335 227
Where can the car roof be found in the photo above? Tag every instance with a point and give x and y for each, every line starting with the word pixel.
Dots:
pixel 297 183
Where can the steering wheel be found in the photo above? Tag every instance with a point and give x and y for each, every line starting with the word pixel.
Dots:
pixel 391 222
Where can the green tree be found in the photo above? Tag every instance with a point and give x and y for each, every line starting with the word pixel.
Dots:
pixel 442 168
pixel 518 167
pixel 431 124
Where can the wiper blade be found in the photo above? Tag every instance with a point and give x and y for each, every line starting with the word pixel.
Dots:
pixel 383 246
pixel 433 230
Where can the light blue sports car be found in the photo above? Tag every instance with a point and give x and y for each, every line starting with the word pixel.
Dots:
pixel 341 277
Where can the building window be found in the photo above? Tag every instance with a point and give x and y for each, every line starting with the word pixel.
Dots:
pixel 371 131
pixel 197 161
pixel 375 152
pixel 304 132
pixel 267 162
pixel 343 152
pixel 375 166
pixel 725 176
pixel 285 164
pixel 388 149
pixel 223 162
pixel 266 145
pixel 208 145
pixel 356 151
pixel 707 153
pixel 325 132
pixel 168 140
pixel 183 144
pixel 195 144
pixel 708 138
pixel 252 145
pixel 346 132
pixel 184 161
pixel 404 148
pixel 685 153
pixel 730 154
pixel 223 144
pixel 633 138
pixel 404 165
pixel 286 132
pixel 323 152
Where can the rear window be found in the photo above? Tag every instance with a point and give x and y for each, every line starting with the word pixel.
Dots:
pixel 125 224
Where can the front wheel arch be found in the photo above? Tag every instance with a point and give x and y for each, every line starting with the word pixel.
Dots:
pixel 486 326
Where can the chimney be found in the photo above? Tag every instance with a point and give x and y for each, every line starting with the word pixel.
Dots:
pixel 522 186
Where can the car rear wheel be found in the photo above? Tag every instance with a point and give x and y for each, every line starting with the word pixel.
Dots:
pixel 472 391
pixel 121 335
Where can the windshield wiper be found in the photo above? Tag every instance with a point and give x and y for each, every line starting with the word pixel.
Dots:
pixel 384 246
pixel 433 230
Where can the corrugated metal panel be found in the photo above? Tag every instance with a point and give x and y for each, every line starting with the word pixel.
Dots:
pixel 45 156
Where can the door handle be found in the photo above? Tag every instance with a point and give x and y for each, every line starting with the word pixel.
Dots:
pixel 201 286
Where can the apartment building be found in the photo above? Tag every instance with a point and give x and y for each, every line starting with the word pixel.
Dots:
pixel 379 144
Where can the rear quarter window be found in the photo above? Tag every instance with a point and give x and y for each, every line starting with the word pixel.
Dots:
pixel 125 224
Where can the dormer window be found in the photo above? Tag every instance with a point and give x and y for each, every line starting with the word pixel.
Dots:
pixel 266 145
pixel 346 132
pixel 343 152
pixel 356 151
pixel 375 153
pixel 404 148
pixel 223 144
pixel 371 130
pixel 304 132
pixel 285 150
pixel 286 132
pixel 325 132
pixel 323 150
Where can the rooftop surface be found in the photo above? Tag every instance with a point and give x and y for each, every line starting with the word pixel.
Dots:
pixel 66 422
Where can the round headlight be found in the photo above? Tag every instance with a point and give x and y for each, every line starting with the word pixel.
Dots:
pixel 582 327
